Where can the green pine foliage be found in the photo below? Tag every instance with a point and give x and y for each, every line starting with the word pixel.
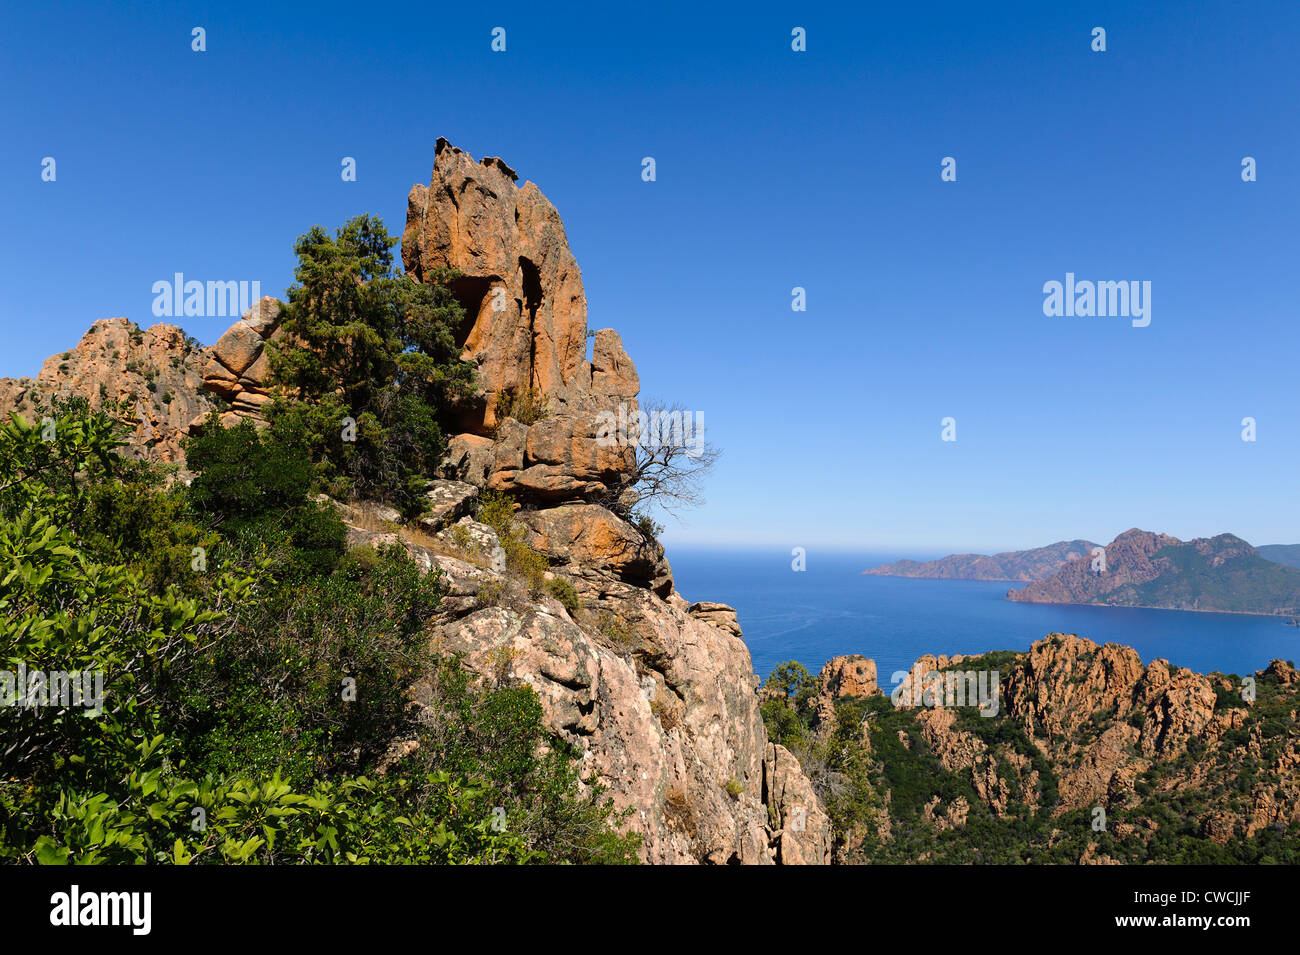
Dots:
pixel 369 369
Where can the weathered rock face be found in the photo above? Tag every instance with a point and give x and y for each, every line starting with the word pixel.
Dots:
pixel 1066 680
pixel 661 703
pixel 448 502
pixel 804 834
pixel 157 373
pixel 852 675
pixel 1055 692
pixel 959 750
pixel 719 615
pixel 1095 728
pixel 840 677
pixel 169 383
pixel 527 337
pixel 587 536
pixel 519 282
pixel 238 367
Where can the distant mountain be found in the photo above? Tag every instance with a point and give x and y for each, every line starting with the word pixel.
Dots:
pixel 1288 554
pixel 1022 565
pixel 1143 569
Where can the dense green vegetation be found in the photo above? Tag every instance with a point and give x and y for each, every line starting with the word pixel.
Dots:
pixel 380 373
pixel 1244 584
pixel 877 794
pixel 255 672
pixel 249 697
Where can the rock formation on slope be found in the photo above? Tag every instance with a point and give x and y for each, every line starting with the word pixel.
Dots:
pixel 156 374
pixel 1081 727
pixel 1024 565
pixel 238 366
pixel 1142 569
pixel 840 677
pixel 658 693
pixel 527 332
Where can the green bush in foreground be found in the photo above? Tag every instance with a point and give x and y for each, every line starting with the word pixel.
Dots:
pixel 249 707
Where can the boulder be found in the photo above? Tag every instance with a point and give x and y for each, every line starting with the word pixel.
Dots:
pixel 238 369
pixel 479 540
pixel 719 615
pixel 593 537
pixel 448 502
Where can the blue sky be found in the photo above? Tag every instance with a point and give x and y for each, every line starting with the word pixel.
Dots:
pixel 775 169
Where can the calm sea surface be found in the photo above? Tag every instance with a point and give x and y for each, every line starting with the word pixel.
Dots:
pixel 831 609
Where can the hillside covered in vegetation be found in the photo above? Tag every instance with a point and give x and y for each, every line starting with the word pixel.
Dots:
pixel 1089 757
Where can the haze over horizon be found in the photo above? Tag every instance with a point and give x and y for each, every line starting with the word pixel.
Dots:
pixel 775 170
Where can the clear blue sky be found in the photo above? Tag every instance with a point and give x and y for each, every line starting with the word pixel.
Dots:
pixel 775 169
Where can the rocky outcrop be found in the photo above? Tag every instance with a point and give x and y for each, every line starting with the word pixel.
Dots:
pixel 851 675
pixel 1084 727
pixel 803 833
pixel 719 615
pixel 519 282
pixel 527 337
pixel 961 751
pixel 944 819
pixel 449 501
pixel 842 677
pixel 588 537
pixel 155 374
pixel 167 383
pixel 1064 679
pixel 1152 713
pixel 238 367
pixel 658 693
pixel 661 703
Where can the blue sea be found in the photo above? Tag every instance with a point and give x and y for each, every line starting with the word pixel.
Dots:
pixel 832 608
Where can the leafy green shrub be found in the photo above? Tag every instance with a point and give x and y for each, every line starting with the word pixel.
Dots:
pixel 254 486
pixel 562 589
pixel 496 510
pixel 792 681
pixel 648 528
pixel 249 722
